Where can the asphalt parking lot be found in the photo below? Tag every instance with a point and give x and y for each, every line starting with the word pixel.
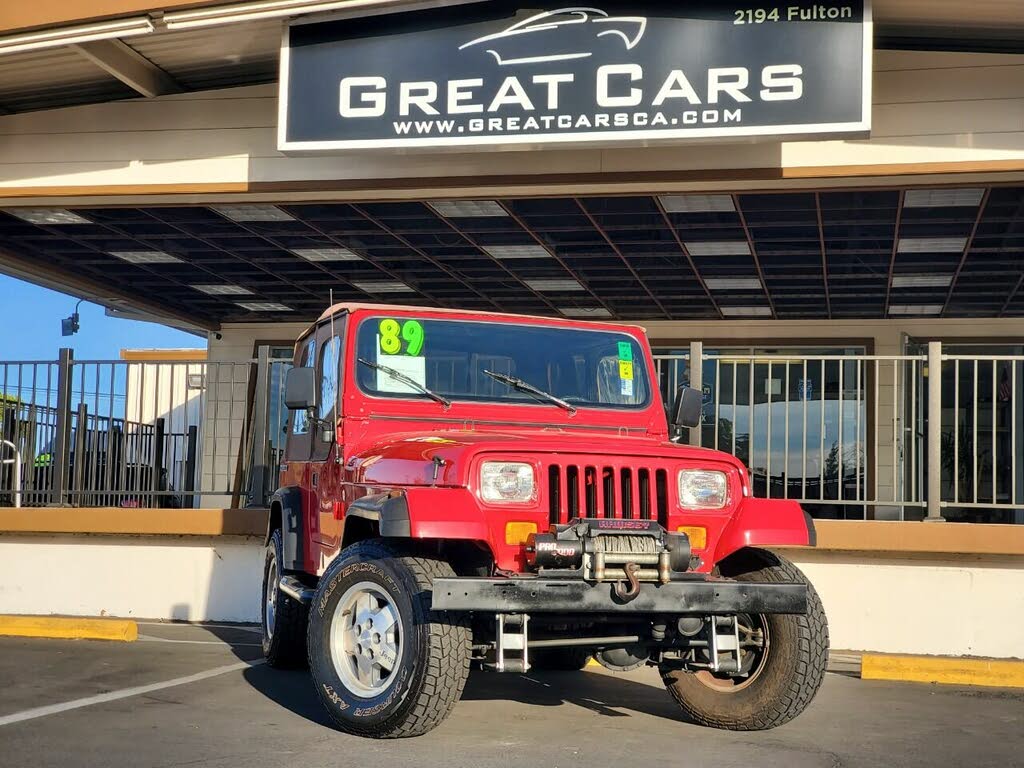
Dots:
pixel 188 696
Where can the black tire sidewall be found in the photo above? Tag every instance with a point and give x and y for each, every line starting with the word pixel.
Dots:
pixel 273 553
pixel 369 715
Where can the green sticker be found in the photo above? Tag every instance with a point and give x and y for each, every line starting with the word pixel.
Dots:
pixel 397 338
pixel 625 351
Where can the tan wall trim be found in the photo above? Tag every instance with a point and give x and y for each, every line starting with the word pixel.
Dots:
pixel 923 538
pixel 463 182
pixel 16 15
pixel 135 522
pixel 164 355
pixel 833 535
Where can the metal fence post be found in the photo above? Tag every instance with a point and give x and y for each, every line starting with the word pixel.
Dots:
pixel 261 442
pixel 934 432
pixel 62 437
pixel 697 382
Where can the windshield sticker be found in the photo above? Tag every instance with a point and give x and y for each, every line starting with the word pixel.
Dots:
pixel 413 367
pixel 625 370
pixel 397 338
pixel 625 351
pixel 626 387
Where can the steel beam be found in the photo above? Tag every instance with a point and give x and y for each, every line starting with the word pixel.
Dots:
pixel 129 66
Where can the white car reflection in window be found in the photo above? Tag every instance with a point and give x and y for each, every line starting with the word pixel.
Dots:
pixel 542 38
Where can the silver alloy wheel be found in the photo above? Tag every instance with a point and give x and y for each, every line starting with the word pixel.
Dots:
pixel 366 641
pixel 270 598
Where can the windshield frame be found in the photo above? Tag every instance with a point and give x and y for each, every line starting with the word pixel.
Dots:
pixel 526 323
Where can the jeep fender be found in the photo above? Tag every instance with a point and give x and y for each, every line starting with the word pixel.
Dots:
pixel 766 523
pixel 424 513
pixel 289 502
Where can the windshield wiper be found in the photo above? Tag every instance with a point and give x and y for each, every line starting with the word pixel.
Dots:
pixel 522 386
pixel 399 376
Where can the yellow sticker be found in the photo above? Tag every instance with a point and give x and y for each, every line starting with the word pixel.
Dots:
pixel 625 370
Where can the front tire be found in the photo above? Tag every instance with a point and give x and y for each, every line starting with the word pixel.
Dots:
pixel 385 665
pixel 788 674
pixel 283 624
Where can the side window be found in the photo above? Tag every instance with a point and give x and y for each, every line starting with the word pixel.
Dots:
pixel 330 365
pixel 300 421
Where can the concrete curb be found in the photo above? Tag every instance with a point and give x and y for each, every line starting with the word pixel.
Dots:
pixel 54 627
pixel 989 673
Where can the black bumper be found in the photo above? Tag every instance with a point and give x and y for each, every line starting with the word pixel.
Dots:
pixel 567 596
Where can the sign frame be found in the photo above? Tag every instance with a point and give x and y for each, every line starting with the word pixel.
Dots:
pixel 860 129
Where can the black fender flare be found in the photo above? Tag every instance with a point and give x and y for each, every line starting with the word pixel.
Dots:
pixel 289 500
pixel 389 510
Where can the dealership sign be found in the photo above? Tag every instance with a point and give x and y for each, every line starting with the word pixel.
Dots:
pixel 497 73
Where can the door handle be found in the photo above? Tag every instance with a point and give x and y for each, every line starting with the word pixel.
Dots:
pixel 316 479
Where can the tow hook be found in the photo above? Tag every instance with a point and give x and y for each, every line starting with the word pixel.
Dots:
pixel 629 595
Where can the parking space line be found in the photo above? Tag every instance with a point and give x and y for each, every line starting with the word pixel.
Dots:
pixel 153 639
pixel 124 693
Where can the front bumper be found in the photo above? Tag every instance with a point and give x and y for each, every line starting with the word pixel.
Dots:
pixel 703 596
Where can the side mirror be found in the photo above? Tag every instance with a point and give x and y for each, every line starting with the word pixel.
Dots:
pixel 688 408
pixel 300 389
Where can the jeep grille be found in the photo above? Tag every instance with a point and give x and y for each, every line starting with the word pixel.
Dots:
pixel 600 490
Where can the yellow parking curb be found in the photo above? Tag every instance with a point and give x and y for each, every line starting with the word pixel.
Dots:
pixel 68 628
pixel 942 669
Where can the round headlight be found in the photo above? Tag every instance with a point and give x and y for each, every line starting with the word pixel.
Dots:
pixel 507 482
pixel 702 489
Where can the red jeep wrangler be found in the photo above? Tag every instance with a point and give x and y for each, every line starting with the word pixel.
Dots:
pixel 461 488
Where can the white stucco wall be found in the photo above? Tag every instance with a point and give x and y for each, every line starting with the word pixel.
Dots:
pixel 952 605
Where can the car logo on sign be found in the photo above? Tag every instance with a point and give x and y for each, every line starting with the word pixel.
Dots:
pixel 542 38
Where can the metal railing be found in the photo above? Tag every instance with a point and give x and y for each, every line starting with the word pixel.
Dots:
pixel 851 436
pixel 140 433
pixel 847 436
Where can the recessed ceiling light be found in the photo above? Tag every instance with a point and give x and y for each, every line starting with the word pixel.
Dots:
pixel 733 283
pixel 263 306
pixel 585 313
pixel 725 248
pixel 45 216
pixel 920 310
pixel 468 209
pixel 253 213
pixel 502 252
pixel 943 198
pixel 386 286
pixel 747 311
pixel 555 285
pixel 327 254
pixel 922 281
pixel 223 290
pixel 146 257
pixel 698 203
pixel 932 245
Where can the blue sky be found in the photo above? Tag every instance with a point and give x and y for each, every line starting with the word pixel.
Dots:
pixel 30 327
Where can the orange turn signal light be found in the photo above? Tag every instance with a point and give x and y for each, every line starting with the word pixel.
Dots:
pixel 698 535
pixel 517 534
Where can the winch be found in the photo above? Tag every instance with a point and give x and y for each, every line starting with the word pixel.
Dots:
pixel 622 551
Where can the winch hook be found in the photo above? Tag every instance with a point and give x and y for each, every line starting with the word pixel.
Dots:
pixel 630 594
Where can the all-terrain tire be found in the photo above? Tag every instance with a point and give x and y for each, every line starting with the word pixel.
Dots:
pixel 284 643
pixel 792 670
pixel 560 659
pixel 435 652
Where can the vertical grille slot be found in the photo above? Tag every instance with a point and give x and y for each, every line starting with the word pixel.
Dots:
pixel 626 486
pixel 572 490
pixel 554 494
pixel 661 483
pixel 590 476
pixel 608 488
pixel 644 478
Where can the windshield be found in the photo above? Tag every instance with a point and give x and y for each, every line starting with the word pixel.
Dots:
pixel 458 360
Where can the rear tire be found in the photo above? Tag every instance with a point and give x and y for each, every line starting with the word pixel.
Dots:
pixel 385 665
pixel 790 672
pixel 283 621
pixel 560 659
